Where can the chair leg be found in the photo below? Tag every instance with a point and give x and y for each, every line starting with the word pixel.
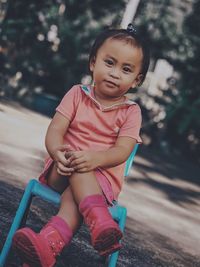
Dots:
pixel 18 220
pixel 24 218
pixel 112 261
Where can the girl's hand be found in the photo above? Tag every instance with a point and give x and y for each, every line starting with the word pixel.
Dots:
pixel 62 163
pixel 83 161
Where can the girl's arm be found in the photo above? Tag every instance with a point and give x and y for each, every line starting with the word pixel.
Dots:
pixel 83 161
pixel 117 154
pixel 54 142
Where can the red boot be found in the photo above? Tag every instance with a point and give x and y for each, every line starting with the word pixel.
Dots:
pixel 109 251
pixel 40 249
pixel 105 232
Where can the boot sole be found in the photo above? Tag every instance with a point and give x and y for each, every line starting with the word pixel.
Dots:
pixel 107 252
pixel 26 249
pixel 107 238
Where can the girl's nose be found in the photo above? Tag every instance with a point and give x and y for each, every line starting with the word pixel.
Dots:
pixel 115 73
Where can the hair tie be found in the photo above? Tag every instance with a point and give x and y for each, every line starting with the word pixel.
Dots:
pixel 131 29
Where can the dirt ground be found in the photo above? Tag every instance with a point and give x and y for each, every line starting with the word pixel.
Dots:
pixel 162 195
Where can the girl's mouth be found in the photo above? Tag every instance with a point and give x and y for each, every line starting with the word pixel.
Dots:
pixel 111 84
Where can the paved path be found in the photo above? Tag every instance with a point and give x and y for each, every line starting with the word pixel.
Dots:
pixel 162 195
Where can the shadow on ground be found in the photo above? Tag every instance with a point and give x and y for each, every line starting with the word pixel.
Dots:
pixel 161 195
pixel 172 168
pixel 174 193
pixel 141 246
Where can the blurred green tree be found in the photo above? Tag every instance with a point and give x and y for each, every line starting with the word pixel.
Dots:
pixel 183 112
pixel 173 30
pixel 46 43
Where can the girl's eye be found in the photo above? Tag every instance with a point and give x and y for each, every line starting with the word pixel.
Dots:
pixel 127 69
pixel 109 62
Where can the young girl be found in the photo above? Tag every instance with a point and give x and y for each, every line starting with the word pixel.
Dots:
pixel 89 139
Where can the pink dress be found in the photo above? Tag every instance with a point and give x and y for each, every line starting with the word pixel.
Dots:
pixel 95 127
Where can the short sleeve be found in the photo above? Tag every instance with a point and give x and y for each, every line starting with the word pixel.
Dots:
pixel 132 125
pixel 69 103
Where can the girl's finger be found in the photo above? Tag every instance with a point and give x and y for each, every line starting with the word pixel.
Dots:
pixel 80 166
pixel 83 170
pixel 63 159
pixel 63 173
pixel 62 168
pixel 64 147
pixel 76 162
pixel 69 154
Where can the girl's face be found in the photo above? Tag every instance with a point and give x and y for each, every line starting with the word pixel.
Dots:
pixel 116 68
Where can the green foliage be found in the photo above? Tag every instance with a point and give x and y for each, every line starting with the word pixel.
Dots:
pixel 48 41
pixel 173 30
pixel 46 44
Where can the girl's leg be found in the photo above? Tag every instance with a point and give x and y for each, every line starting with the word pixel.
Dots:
pixel 56 181
pixel 68 210
pixel 55 234
pixel 105 233
pixel 83 185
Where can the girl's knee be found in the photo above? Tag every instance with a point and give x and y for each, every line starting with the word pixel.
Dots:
pixel 84 184
pixel 84 175
pixel 56 181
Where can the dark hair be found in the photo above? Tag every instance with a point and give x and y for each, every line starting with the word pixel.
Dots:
pixel 126 35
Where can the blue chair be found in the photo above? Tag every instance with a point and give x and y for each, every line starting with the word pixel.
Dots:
pixel 35 188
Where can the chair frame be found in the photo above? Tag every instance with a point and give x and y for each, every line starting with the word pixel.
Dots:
pixel 35 188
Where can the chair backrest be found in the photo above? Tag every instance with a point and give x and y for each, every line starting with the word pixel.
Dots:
pixel 129 161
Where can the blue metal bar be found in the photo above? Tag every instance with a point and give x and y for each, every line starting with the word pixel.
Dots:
pixel 122 222
pixel 16 222
pixel 46 193
pixel 129 161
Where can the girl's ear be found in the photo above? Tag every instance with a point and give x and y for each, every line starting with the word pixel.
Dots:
pixel 92 63
pixel 137 80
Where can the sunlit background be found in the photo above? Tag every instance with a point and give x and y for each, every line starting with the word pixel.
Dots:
pixel 44 49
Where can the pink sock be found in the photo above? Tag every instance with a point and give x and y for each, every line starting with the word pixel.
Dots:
pixel 62 227
pixel 92 201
